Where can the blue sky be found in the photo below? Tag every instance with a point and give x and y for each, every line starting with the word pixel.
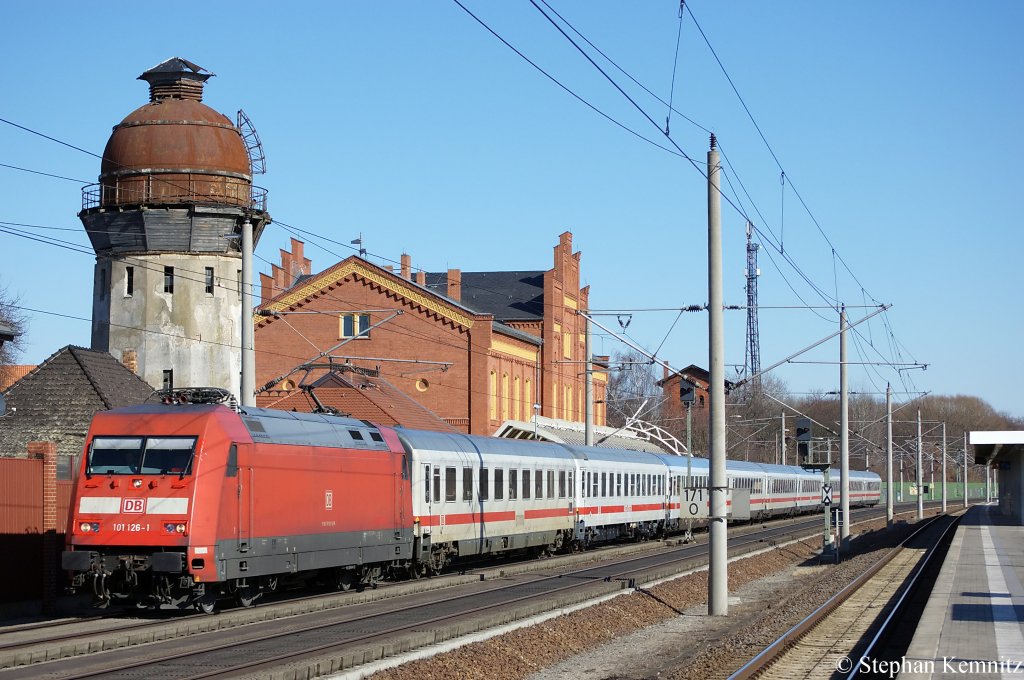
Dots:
pixel 897 123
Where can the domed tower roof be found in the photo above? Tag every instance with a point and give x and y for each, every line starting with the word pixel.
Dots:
pixel 178 154
pixel 175 149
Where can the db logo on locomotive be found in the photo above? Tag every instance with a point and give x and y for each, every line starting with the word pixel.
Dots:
pixel 133 504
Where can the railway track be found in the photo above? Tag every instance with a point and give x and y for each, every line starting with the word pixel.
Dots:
pixel 73 640
pixel 855 622
pixel 257 629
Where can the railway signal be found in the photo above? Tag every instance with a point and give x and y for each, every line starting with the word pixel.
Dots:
pixel 804 443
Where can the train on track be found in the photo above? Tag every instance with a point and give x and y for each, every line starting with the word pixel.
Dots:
pixel 187 505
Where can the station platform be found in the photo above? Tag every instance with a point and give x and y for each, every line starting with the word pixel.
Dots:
pixel 973 624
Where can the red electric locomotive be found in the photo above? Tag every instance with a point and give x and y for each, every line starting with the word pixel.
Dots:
pixel 187 505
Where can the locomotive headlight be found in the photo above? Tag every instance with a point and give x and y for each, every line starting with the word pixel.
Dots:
pixel 137 483
pixel 169 528
pixel 180 528
pixel 89 527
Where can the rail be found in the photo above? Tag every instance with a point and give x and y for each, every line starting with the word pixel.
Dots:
pixel 774 651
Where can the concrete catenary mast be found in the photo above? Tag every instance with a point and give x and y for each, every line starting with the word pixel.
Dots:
pixel 165 220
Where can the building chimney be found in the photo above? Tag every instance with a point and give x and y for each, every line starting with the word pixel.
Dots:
pixel 406 267
pixel 130 360
pixel 389 268
pixel 421 277
pixel 455 284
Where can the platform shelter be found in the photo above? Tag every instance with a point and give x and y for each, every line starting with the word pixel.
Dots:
pixel 1003 451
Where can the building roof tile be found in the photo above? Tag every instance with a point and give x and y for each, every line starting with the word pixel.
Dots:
pixel 509 296
pixel 56 400
pixel 362 396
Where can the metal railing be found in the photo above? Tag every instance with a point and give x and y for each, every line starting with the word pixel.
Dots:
pixel 140 191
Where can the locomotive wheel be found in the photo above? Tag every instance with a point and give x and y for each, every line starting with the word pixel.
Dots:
pixel 206 605
pixel 247 596
pixel 346 579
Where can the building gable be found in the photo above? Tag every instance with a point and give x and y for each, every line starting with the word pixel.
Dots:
pixel 360 269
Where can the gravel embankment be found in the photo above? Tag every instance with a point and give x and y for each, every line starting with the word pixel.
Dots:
pixel 664 632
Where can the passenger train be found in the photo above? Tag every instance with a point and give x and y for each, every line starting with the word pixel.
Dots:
pixel 191 504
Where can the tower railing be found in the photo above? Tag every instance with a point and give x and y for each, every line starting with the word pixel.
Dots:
pixel 142 193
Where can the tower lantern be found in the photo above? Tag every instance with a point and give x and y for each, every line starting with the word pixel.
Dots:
pixel 175 187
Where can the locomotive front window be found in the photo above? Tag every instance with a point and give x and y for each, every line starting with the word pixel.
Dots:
pixel 141 455
pixel 115 456
pixel 166 455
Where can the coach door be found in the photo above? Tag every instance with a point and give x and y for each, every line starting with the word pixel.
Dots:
pixel 401 481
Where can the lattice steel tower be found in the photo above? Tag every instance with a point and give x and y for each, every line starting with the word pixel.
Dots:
pixel 752 358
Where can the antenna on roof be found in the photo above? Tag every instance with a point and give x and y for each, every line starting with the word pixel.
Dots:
pixel 359 242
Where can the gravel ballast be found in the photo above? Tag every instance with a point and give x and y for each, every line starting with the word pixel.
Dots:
pixel 664 631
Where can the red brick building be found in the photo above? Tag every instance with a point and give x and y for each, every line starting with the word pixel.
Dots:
pixel 673 409
pixel 476 348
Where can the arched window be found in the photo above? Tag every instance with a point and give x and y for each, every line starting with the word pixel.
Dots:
pixel 492 395
pixel 517 399
pixel 506 397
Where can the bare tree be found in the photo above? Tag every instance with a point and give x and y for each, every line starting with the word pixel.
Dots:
pixel 632 388
pixel 13 318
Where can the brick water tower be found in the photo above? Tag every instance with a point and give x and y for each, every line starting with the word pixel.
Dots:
pixel 165 220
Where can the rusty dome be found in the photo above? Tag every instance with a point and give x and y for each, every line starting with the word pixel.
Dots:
pixel 175 149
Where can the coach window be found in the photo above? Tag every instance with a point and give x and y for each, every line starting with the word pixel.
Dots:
pixel 604 485
pixel 526 484
pixel 571 487
pixel 437 484
pixel 539 484
pixel 485 480
pixel 449 484
pixel 426 483
pixel 513 484
pixel 583 484
pixel 561 483
pixel 467 483
pixel 551 484
pixel 594 485
pixel 499 484
pixel 618 484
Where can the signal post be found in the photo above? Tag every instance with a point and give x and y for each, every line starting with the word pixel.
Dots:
pixel 813 458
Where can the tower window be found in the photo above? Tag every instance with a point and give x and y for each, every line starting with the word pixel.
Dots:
pixel 168 379
pixel 209 280
pixel 355 325
pixel 168 279
pixel 129 281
